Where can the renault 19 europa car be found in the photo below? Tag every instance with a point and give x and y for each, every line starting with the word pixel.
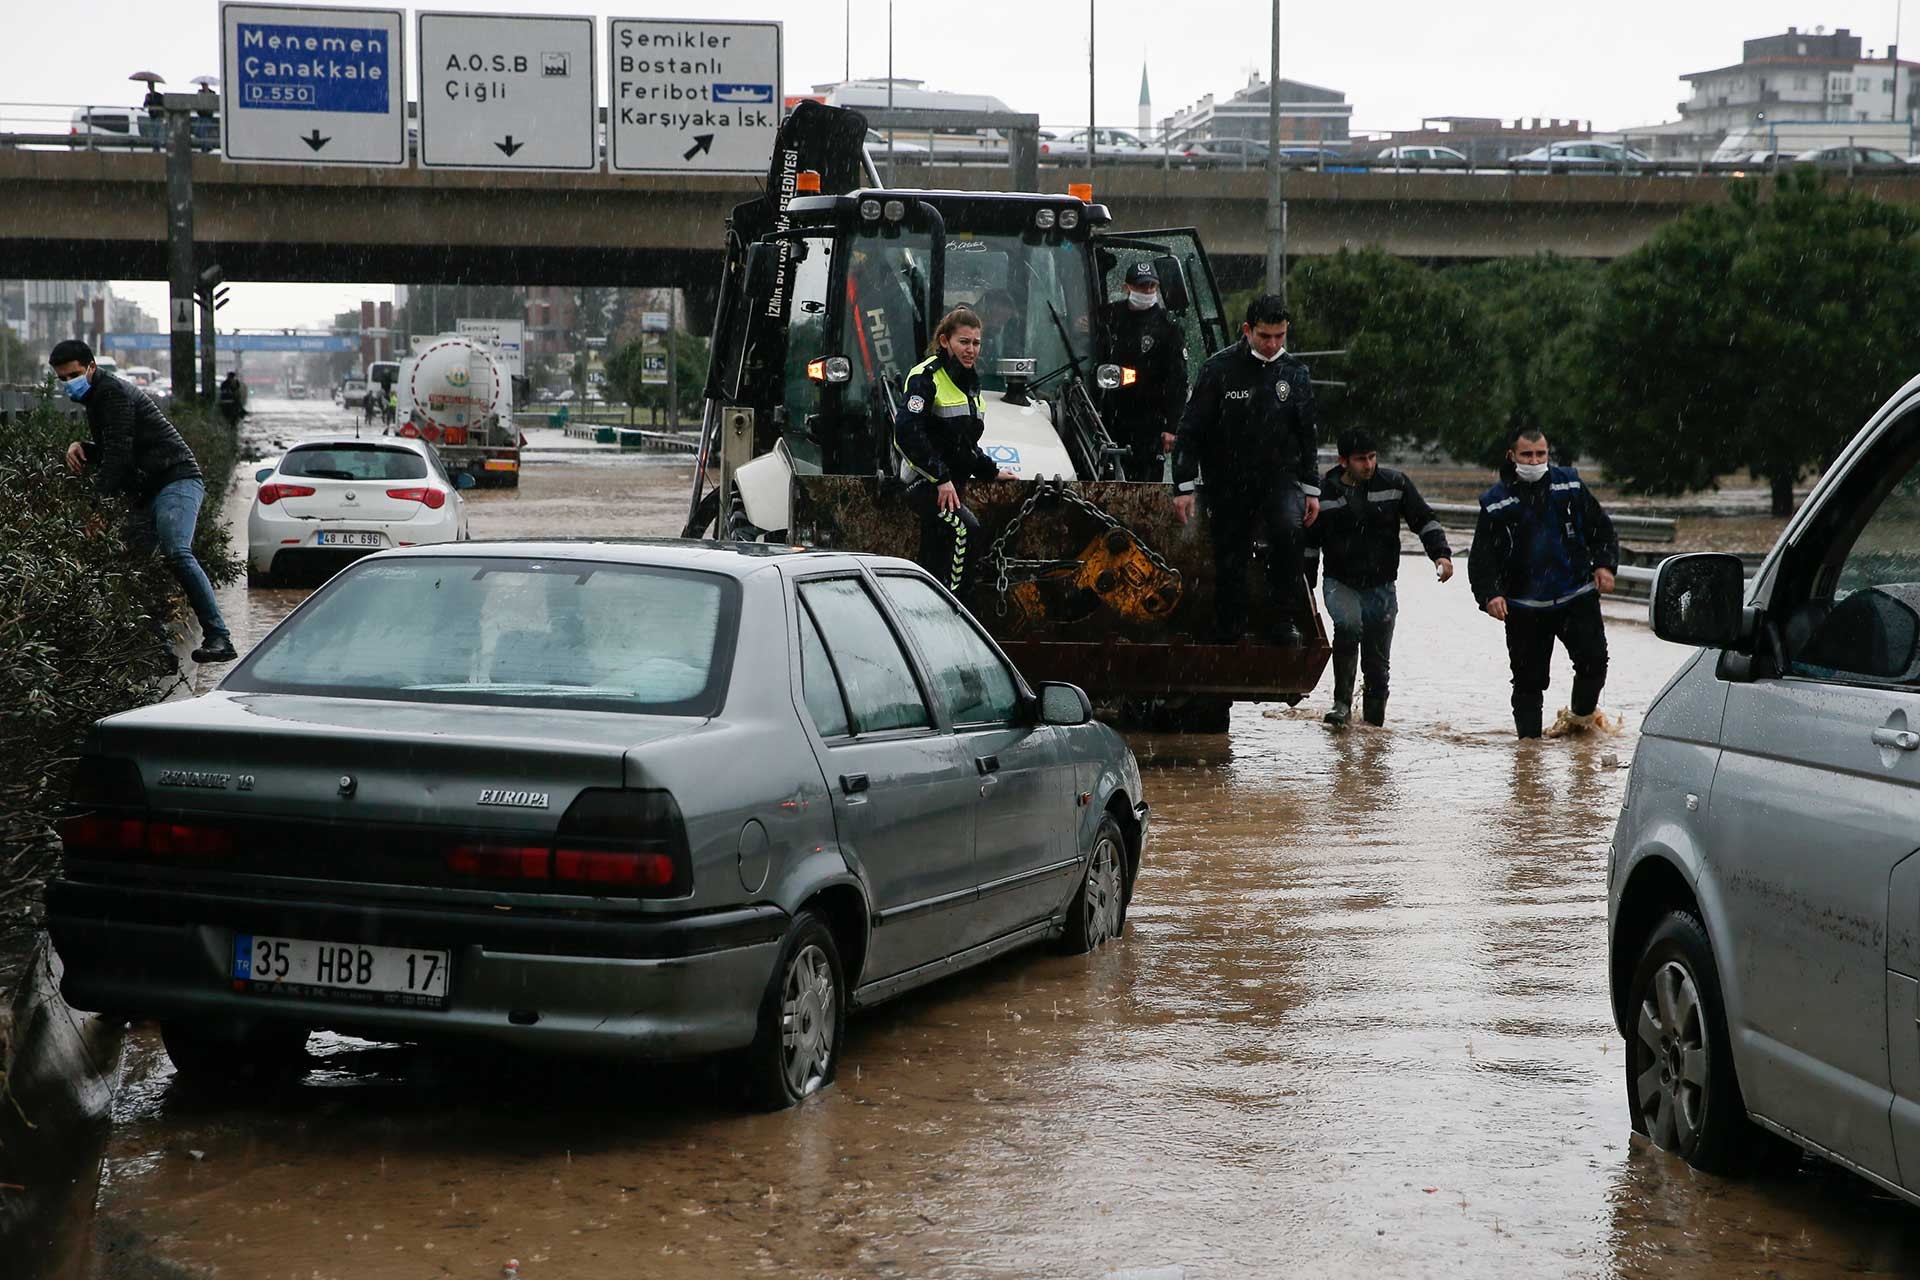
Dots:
pixel 649 799
pixel 1764 881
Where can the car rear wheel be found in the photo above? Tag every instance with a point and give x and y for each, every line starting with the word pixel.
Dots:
pixel 1682 1089
pixel 233 1050
pixel 1099 909
pixel 803 1020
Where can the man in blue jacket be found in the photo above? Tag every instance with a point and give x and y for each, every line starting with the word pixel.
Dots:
pixel 1544 552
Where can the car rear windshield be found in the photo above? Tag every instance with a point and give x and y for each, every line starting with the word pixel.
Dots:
pixel 354 462
pixel 507 632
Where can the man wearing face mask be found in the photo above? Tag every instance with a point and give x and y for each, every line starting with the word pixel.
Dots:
pixel 1544 552
pixel 1251 426
pixel 1140 335
pixel 137 455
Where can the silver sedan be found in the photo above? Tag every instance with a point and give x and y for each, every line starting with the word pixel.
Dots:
pixel 653 799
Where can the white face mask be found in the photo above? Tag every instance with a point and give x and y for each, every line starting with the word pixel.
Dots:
pixel 1531 472
pixel 1142 301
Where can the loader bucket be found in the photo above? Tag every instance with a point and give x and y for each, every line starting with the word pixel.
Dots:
pixel 1104 588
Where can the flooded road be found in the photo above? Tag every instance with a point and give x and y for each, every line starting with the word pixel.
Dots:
pixel 1358 1026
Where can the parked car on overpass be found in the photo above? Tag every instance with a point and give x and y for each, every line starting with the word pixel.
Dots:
pixel 1413 156
pixel 651 800
pixel 1852 158
pixel 1579 155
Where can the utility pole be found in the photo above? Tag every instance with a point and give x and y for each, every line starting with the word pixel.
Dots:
pixel 1090 108
pixel 889 91
pixel 673 359
pixel 1276 182
pixel 176 110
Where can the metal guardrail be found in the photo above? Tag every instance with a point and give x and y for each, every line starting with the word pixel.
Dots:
pixel 1462 515
pixel 919 139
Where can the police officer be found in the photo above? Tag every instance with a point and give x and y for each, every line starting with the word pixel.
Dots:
pixel 1141 336
pixel 1250 425
pixel 937 436
pixel 1362 506
pixel 1544 552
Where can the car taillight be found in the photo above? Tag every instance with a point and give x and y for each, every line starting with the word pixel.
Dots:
pixel 612 866
pixel 630 842
pixel 167 838
pixel 272 493
pixel 501 861
pixel 97 833
pixel 102 833
pixel 431 498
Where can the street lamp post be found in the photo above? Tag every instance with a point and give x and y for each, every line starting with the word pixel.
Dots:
pixel 1276 181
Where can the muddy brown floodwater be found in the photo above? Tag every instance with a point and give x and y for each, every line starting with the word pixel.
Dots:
pixel 1358 1026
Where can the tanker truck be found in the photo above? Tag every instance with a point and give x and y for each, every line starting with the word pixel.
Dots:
pixel 831 288
pixel 454 393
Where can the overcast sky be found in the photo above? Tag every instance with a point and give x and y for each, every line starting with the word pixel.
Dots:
pixel 1396 60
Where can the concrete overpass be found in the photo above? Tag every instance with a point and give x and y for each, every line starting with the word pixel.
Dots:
pixel 264 222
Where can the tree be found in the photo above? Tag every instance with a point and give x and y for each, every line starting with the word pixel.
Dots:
pixel 1757 334
pixel 1403 327
pixel 1532 319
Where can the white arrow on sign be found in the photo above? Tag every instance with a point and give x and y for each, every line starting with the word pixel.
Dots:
pixel 692 96
pixel 312 84
pixel 505 91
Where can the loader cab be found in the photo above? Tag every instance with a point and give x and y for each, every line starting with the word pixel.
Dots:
pixel 868 276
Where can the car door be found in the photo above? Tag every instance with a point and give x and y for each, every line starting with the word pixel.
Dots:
pixel 903 791
pixel 1022 853
pixel 1815 803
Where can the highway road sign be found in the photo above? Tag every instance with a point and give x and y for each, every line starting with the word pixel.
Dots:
pixel 507 337
pixel 655 322
pixel 506 91
pixel 692 96
pixel 310 84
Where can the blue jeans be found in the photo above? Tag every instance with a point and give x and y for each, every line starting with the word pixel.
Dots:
pixel 1363 620
pixel 168 522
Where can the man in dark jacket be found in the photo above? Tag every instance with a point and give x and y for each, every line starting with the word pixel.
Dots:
pixel 1251 426
pixel 232 399
pixel 1362 506
pixel 1140 336
pixel 1544 552
pixel 137 455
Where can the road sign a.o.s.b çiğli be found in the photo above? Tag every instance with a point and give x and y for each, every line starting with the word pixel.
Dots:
pixel 692 95
pixel 507 91
pixel 313 84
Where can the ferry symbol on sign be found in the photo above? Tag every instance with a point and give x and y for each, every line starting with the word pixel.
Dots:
pixel 742 92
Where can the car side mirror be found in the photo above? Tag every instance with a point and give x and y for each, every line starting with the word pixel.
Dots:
pixel 1064 704
pixel 260 476
pixel 464 480
pixel 1173 283
pixel 1700 600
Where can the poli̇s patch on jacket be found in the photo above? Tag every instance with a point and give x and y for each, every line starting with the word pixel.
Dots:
pixel 1283 390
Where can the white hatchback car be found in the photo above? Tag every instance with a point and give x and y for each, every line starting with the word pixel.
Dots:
pixel 331 500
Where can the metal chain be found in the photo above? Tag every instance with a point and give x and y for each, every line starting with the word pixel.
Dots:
pixel 1057 488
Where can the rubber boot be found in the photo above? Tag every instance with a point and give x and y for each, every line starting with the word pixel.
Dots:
pixel 1374 710
pixel 1346 664
pixel 1526 721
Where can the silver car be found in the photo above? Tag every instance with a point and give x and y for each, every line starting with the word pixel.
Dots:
pixel 659 799
pixel 1764 889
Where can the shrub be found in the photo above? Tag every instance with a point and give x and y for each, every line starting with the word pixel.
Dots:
pixel 80 631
